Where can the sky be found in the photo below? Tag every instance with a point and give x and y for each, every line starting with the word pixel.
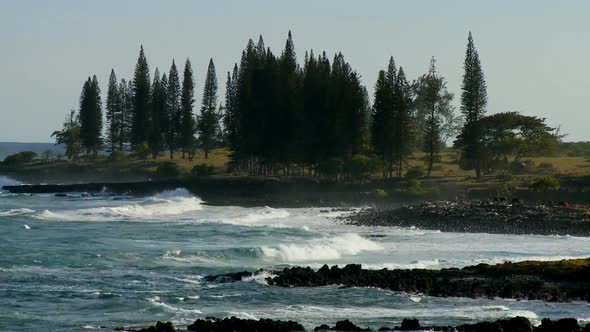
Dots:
pixel 535 53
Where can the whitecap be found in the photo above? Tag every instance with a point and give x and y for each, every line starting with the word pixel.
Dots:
pixel 323 249
pixel 156 301
pixel 16 212
pixel 161 206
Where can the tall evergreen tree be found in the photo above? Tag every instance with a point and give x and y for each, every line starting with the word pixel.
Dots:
pixel 382 122
pixel 473 106
pixel 141 103
pixel 91 116
pixel 208 120
pixel 288 127
pixel 432 130
pixel 403 121
pixel 172 127
pixel 125 116
pixel 158 114
pixel 113 110
pixel 187 120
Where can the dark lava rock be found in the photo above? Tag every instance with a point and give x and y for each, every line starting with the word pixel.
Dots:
pixel 500 217
pixel 341 326
pixel 160 327
pixel 516 324
pixel 557 281
pixel 562 325
pixel 234 324
pixel 410 324
pixel 228 277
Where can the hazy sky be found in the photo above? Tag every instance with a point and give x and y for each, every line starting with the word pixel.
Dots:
pixel 535 53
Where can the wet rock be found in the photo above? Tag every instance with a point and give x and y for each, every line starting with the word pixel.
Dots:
pixel 228 277
pixel 410 325
pixel 562 325
pixel 244 325
pixel 341 326
pixel 558 281
pixel 497 216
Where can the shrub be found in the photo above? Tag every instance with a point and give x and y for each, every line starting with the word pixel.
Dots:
pixel 361 166
pixel 545 183
pixel 415 173
pixel 330 167
pixel 202 170
pixel 414 188
pixel 18 159
pixel 117 155
pixel 168 169
pixel 380 193
pixel 506 177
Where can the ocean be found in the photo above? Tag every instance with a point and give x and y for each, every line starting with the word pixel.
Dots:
pixel 96 262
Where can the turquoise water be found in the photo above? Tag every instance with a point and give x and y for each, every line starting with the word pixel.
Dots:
pixel 85 262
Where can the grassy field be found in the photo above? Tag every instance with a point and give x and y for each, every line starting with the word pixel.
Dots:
pixel 447 170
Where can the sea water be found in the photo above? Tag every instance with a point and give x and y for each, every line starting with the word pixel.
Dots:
pixel 95 262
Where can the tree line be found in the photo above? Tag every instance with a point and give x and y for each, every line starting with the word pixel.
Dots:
pixel 314 119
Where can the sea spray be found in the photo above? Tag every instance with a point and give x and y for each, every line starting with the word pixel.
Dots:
pixel 329 248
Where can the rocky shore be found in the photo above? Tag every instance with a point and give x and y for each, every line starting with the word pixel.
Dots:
pixel 557 281
pixel 500 217
pixel 516 324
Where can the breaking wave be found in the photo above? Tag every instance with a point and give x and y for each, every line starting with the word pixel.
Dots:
pixel 324 249
pixel 165 204
pixel 16 212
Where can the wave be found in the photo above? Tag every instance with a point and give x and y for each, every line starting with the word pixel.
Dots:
pixel 6 181
pixel 166 204
pixel 258 217
pixel 324 249
pixel 16 212
pixel 260 277
pixel 471 312
pixel 156 301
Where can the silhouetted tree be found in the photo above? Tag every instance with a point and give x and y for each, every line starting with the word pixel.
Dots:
pixel 158 114
pixel 473 106
pixel 208 120
pixel 91 117
pixel 113 110
pixel 69 135
pixel 187 121
pixel 141 103
pixel 172 127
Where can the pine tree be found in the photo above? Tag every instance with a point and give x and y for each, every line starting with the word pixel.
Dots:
pixel 432 131
pixel 158 114
pixel 288 127
pixel 91 117
pixel 382 122
pixel 141 103
pixel 473 105
pixel 126 113
pixel 172 127
pixel 208 120
pixel 403 122
pixel 113 110
pixel 187 121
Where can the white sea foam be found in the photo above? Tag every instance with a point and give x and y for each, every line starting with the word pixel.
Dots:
pixel 473 312
pixel 156 301
pixel 324 249
pixel 260 277
pixel 16 212
pixel 258 217
pixel 6 181
pixel 166 204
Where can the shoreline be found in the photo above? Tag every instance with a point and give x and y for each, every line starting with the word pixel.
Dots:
pixel 513 324
pixel 474 216
pixel 550 281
